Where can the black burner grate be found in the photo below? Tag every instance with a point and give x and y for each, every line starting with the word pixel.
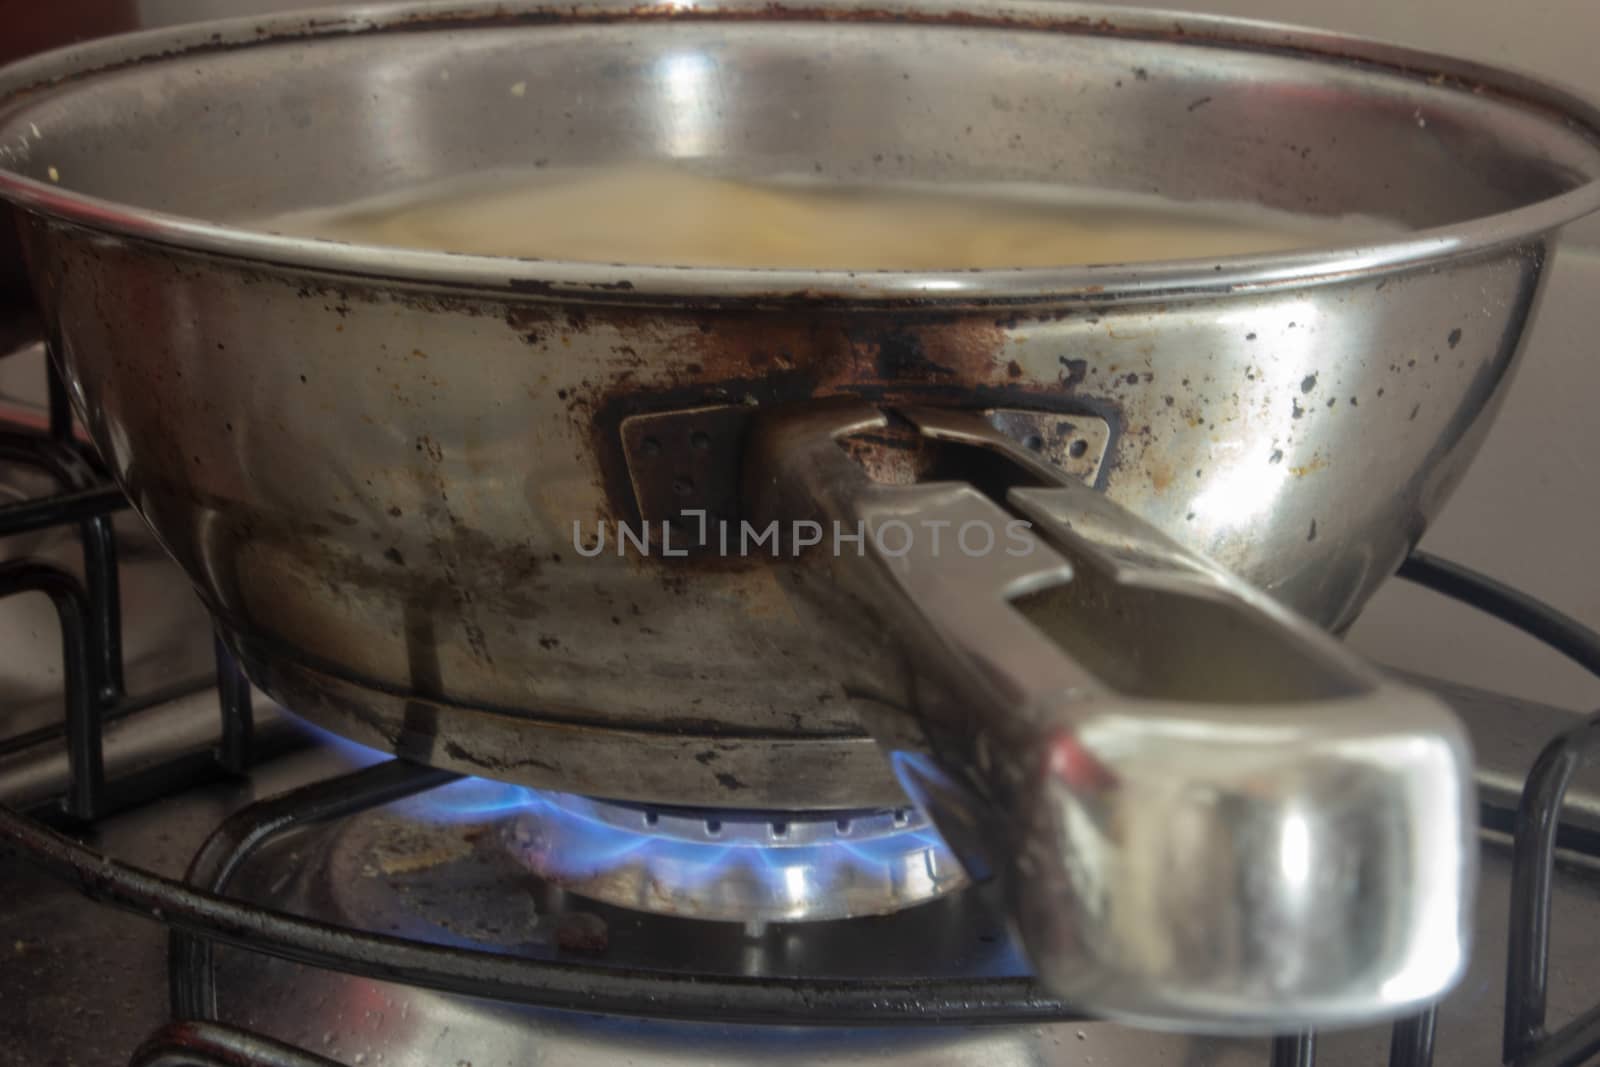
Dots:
pixel 200 914
pixel 89 610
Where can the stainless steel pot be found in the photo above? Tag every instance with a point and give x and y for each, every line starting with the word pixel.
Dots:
pixel 384 469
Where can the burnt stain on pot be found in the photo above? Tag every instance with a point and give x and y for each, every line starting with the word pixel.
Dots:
pixel 900 356
pixel 761 358
pixel 495 761
pixel 302 550
pixel 1074 371
pixel 259 556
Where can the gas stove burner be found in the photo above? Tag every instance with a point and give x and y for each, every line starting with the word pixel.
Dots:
pixel 749 867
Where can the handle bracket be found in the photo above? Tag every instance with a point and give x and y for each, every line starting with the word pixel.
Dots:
pixel 1207 811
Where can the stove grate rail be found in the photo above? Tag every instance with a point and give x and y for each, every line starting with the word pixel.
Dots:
pixel 89 609
pixel 200 914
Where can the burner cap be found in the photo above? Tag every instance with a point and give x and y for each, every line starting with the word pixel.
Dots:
pixel 735 866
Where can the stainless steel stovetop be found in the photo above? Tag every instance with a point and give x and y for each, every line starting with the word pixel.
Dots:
pixel 84 984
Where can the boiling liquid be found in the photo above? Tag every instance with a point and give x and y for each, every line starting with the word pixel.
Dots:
pixel 653 215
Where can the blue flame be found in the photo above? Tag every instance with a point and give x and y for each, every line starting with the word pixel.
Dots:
pixel 580 844
pixel 469 800
pixel 584 845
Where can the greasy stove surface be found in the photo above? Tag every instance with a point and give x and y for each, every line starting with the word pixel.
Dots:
pixel 84 985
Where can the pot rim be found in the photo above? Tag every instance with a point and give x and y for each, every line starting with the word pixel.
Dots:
pixel 617 282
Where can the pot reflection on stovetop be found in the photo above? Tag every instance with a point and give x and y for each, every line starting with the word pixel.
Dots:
pixel 452 866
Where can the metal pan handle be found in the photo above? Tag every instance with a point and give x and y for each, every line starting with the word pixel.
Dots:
pixel 1207 811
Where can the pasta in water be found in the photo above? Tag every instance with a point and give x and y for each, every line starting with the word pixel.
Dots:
pixel 660 216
